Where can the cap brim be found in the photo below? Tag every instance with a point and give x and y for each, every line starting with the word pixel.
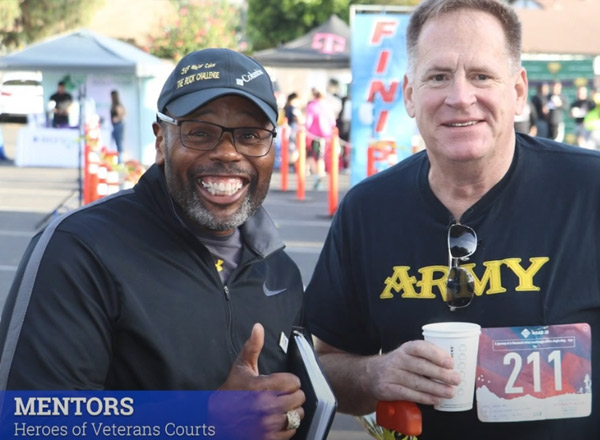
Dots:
pixel 186 104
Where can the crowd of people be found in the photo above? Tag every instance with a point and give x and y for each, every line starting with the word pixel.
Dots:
pixel 546 112
pixel 324 111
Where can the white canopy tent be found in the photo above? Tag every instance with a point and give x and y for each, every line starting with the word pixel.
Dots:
pixel 94 65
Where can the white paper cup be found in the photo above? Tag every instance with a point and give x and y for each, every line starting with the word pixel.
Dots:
pixel 461 340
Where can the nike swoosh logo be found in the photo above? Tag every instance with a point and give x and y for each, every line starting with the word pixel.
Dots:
pixel 270 292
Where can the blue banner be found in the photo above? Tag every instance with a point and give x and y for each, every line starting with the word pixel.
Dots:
pixel 378 65
pixel 222 415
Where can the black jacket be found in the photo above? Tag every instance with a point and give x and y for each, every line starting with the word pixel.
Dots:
pixel 120 295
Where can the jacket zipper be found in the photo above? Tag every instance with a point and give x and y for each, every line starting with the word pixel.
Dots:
pixel 227 294
pixel 229 321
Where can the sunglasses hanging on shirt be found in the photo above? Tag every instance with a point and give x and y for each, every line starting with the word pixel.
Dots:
pixel 460 285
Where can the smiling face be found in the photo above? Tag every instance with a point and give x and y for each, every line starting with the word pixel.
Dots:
pixel 464 92
pixel 218 189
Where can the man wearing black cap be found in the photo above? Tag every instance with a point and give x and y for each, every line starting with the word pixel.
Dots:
pixel 181 282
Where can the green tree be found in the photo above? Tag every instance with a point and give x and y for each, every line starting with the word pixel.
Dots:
pixel 198 24
pixel 8 14
pixel 23 22
pixel 273 22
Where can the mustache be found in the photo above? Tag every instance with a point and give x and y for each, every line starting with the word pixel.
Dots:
pixel 223 168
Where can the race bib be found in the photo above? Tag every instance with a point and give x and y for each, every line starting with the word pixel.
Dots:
pixel 534 373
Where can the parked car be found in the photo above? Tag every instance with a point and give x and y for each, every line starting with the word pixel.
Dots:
pixel 21 93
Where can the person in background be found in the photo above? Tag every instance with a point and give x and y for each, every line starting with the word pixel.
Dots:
pixel 117 118
pixel 320 122
pixel 591 122
pixel 295 119
pixel 540 104
pixel 332 94
pixel 344 123
pixel 344 118
pixel 526 122
pixel 579 109
pixel 61 102
pixel 486 226
pixel 557 105
pixel 180 283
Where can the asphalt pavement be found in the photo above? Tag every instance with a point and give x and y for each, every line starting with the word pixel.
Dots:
pixel 31 196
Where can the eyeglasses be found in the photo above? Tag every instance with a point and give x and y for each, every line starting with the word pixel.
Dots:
pixel 460 285
pixel 205 136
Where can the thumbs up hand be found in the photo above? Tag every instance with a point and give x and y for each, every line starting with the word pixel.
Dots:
pixel 245 367
pixel 282 391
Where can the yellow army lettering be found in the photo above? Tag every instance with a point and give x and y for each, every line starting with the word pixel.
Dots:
pixel 435 277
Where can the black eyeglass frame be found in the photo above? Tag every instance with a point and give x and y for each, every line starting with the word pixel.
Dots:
pixel 460 284
pixel 178 122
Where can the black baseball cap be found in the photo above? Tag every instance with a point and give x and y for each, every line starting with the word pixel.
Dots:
pixel 207 74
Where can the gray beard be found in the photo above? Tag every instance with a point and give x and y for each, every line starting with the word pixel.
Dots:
pixel 193 208
pixel 196 212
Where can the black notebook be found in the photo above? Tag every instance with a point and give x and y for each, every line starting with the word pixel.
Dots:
pixel 320 405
